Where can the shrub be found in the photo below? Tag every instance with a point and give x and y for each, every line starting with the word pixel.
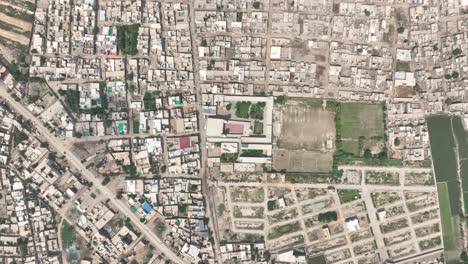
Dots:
pixel 271 205
pixel 327 217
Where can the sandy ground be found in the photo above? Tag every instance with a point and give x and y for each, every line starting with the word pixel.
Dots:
pixel 6 53
pixel 305 127
pixel 24 25
pixel 19 8
pixel 15 37
pixel 302 160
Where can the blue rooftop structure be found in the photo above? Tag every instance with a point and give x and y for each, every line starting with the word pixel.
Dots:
pixel 146 207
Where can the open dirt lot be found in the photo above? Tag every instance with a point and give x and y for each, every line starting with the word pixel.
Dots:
pixel 302 160
pixel 305 125
pixel 14 36
pixel 17 23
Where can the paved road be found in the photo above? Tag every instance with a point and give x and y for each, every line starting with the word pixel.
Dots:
pixel 208 191
pixel 375 224
pixel 75 162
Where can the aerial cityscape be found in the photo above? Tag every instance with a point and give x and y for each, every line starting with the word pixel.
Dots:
pixel 233 131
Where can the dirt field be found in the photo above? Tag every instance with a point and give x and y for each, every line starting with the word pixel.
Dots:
pixel 16 19
pixel 14 36
pixel 302 160
pixel 301 143
pixel 305 125
pixel 18 23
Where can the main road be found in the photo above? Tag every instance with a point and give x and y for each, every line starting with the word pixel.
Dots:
pixel 89 176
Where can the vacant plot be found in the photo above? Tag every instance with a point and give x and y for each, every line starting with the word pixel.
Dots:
pixel 427 230
pixel 419 178
pixel 303 194
pixel 382 177
pixel 317 206
pixel 249 225
pixel 320 259
pixel 425 216
pixel 360 126
pixel 281 230
pixel 394 211
pixel 305 128
pixel 402 251
pixel 347 196
pixel 365 248
pixel 360 235
pixel 337 256
pixel 312 177
pixel 16 19
pixel 68 236
pixel 430 243
pixel 428 201
pixel 302 160
pixel 352 176
pixel 409 195
pixel 247 195
pixel 18 23
pixel 15 36
pixel 248 212
pixel 383 198
pixel 282 216
pixel 394 225
pixel 305 125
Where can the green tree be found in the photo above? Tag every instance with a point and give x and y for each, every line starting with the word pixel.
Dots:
pixel 457 51
pixel 221 209
pixel 280 99
pixel 106 180
pixel 52 156
pixel 367 154
pixel 271 205
pixel 107 123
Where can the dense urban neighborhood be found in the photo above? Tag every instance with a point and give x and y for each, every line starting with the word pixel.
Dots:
pixel 233 131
